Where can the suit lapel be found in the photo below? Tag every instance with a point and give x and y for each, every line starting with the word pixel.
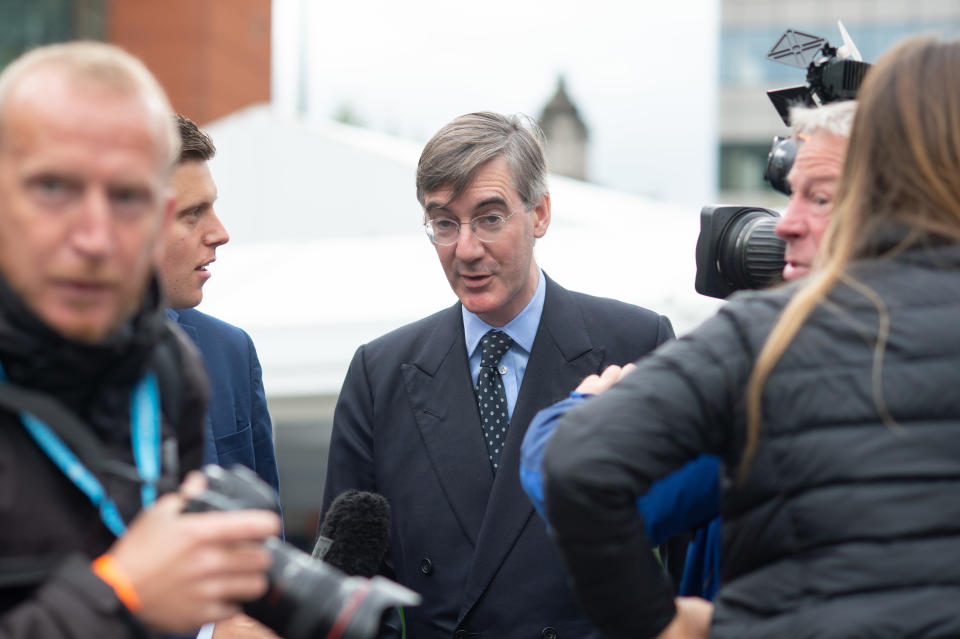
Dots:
pixel 210 453
pixel 440 391
pixel 562 355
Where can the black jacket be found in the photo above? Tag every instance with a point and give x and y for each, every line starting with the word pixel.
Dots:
pixel 50 531
pixel 848 524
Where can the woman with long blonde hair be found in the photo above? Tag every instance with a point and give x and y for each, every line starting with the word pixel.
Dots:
pixel 834 404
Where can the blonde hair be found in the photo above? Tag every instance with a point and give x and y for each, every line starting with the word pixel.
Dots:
pixel 902 170
pixel 835 118
pixel 100 65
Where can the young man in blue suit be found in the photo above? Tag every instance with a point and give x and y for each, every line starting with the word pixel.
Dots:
pixel 432 415
pixel 238 427
pixel 239 430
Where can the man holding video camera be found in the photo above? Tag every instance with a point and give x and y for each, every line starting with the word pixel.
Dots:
pixel 101 400
pixel 822 134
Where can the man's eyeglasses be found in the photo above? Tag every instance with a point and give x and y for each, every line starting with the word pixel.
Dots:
pixel 487 227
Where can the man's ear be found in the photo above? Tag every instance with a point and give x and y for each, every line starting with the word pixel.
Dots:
pixel 541 216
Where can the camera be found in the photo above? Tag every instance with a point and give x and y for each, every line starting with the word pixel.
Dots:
pixel 737 247
pixel 306 598
pixel 833 74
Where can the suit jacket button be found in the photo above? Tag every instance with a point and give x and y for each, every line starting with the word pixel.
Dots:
pixel 549 633
pixel 460 634
pixel 426 568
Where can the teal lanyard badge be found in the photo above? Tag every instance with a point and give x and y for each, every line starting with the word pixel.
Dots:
pixel 145 441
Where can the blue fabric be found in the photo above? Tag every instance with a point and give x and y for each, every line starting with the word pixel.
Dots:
pixel 701 572
pixel 535 445
pixel 238 426
pixel 687 499
pixel 683 500
pixel 522 329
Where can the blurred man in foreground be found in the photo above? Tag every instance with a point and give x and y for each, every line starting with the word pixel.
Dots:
pixel 103 401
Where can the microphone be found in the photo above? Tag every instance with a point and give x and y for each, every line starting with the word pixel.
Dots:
pixel 355 533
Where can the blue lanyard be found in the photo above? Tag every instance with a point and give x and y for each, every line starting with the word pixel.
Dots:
pixel 145 439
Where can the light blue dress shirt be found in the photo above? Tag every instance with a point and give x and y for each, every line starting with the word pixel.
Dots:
pixel 522 329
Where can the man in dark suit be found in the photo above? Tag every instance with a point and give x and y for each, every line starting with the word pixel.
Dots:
pixel 238 426
pixel 432 415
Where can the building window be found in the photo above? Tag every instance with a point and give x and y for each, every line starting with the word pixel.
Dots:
pixel 742 167
pixel 743 51
pixel 25 25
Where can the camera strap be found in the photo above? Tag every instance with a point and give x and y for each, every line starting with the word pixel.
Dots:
pixel 38 411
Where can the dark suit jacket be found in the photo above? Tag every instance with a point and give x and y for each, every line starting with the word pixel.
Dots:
pixel 407 426
pixel 238 427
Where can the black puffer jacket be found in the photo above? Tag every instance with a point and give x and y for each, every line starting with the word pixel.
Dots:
pixel 49 528
pixel 847 526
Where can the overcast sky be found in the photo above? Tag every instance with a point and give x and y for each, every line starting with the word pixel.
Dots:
pixel 643 74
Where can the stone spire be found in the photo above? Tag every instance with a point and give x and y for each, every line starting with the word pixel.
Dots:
pixel 565 134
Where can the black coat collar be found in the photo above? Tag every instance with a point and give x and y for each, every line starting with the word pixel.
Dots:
pixel 37 357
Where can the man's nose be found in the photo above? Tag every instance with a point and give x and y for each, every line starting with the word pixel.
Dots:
pixel 793 224
pixel 469 247
pixel 216 234
pixel 92 234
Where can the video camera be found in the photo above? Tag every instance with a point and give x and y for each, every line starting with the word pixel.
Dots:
pixel 306 598
pixel 737 248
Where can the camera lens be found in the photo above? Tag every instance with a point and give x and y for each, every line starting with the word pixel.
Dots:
pixel 750 255
pixel 308 598
pixel 779 160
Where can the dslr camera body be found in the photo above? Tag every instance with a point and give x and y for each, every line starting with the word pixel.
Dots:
pixel 737 248
pixel 306 598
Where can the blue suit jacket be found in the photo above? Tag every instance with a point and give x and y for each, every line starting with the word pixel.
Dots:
pixel 238 427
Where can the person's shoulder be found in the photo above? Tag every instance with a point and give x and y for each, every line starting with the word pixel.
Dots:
pixel 430 337
pixel 753 306
pixel 606 312
pixel 740 327
pixel 625 330
pixel 612 307
pixel 197 318
pixel 210 325
pixel 415 332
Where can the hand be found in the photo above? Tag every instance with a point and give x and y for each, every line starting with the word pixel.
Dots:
pixel 692 621
pixel 242 627
pixel 596 384
pixel 192 568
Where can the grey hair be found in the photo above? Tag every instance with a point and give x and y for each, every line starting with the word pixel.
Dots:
pixel 835 118
pixel 454 155
pixel 99 65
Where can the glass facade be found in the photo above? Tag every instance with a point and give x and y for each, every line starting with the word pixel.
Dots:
pixel 742 166
pixel 25 24
pixel 743 51
pixel 745 71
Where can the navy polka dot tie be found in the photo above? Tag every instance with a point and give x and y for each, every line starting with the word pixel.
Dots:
pixel 491 398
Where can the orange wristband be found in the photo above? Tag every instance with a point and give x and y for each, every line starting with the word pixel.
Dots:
pixel 107 569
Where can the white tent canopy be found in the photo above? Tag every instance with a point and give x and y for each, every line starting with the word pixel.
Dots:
pixel 327 250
